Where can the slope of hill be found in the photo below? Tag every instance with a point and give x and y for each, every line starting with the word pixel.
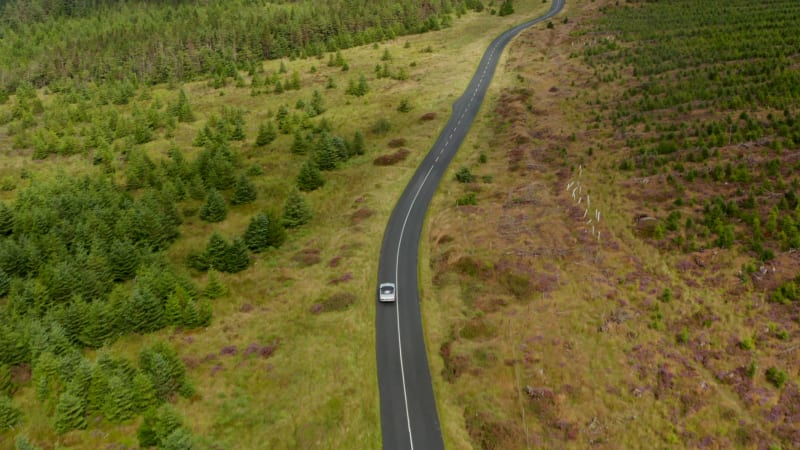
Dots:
pixel 616 250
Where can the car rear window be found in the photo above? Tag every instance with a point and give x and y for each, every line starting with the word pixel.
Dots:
pixel 387 290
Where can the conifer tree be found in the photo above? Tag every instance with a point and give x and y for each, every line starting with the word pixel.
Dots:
pixel 120 402
pixel 244 191
pixel 296 211
pixel 357 147
pixel 99 325
pixel 506 8
pixel 146 313
pixel 264 231
pixel 9 415
pixel 197 189
pixel 325 154
pixel 266 134
pixel 204 312
pixel 22 443
pixel 70 413
pixel 237 258
pixel 216 251
pixel 179 439
pixel 214 209
pixel 157 425
pixel 309 178
pixel 123 260
pixel 189 315
pixel 6 386
pixel 181 109
pixel 317 105
pixel 6 220
pixel 144 394
pixel 299 144
pixel 173 310
pixel 5 283
pixel 164 368
pixel 214 288
pixel 96 397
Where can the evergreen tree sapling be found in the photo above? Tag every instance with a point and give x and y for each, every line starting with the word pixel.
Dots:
pixel 214 209
pixel 266 134
pixel 244 191
pixel 296 211
pixel 309 178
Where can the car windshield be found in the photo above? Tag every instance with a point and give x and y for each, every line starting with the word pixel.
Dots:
pixel 387 290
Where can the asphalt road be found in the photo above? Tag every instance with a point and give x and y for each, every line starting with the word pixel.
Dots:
pixel 409 419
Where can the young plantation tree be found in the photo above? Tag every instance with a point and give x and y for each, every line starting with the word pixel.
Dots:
pixel 237 258
pixel 214 209
pixel 70 413
pixel 264 231
pixel 6 220
pixel 266 134
pixel 181 109
pixel 244 191
pixel 214 288
pixel 310 177
pixel 296 211
pixel 9 415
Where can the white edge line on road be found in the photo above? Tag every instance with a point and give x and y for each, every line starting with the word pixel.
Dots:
pixel 397 303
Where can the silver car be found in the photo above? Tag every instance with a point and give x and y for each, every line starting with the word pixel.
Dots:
pixel 387 292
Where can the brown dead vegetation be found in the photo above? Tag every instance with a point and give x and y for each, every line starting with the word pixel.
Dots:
pixel 392 158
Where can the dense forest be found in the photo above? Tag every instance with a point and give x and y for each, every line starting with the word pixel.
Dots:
pixel 171 40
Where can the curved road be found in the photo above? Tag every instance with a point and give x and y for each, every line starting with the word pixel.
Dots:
pixel 408 408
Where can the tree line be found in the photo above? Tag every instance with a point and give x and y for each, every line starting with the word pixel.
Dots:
pixel 158 41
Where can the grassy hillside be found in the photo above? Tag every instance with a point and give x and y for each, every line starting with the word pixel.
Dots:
pixel 621 261
pixel 288 358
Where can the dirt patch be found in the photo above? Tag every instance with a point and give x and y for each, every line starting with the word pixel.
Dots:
pixel 392 158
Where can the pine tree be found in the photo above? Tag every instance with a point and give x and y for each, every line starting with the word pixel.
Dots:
pixel 173 310
pixel 214 209
pixel 216 251
pixel 264 231
pixel 299 144
pixel 157 425
pixel 506 8
pixel 22 443
pixel 197 189
pixel 204 313
pixel 6 386
pixel 179 439
pixel 189 316
pixel 325 155
pixel 144 394
pixel 99 325
pixel 296 211
pixel 357 147
pixel 70 414
pixel 9 415
pixel 244 191
pixel 5 283
pixel 309 178
pixel 237 258
pixel 146 313
pixel 120 402
pixel 6 220
pixel 266 134
pixel 181 109
pixel 317 105
pixel 123 259
pixel 164 368
pixel 214 288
